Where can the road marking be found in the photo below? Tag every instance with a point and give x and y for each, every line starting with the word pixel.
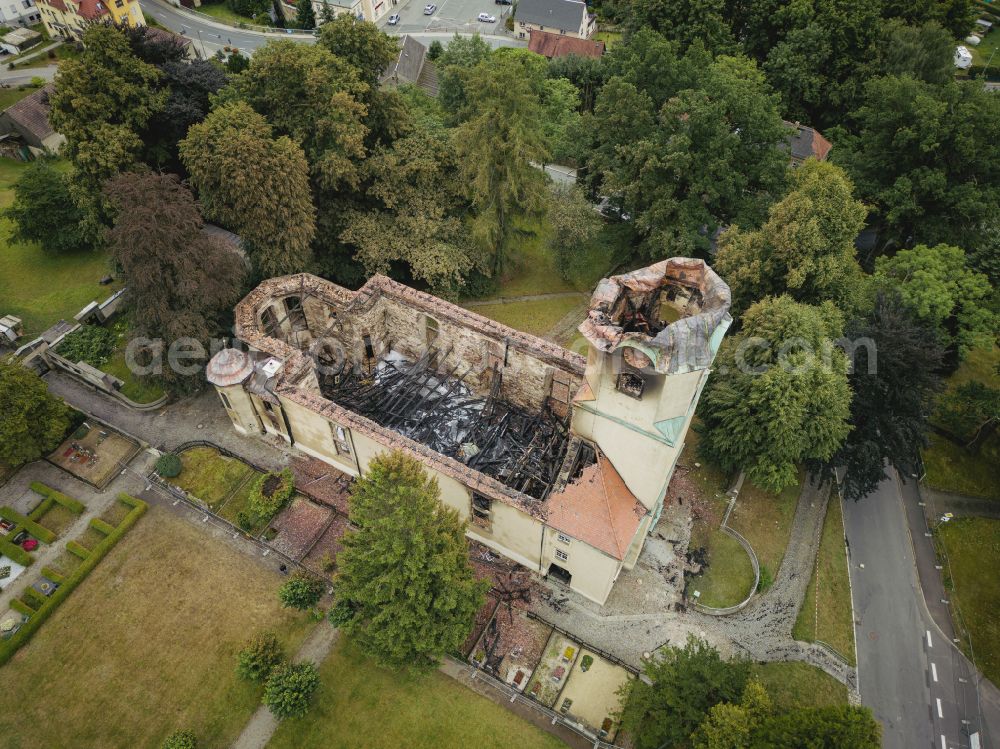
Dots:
pixel 929 643
pixel 940 711
pixel 944 742
pixel 934 671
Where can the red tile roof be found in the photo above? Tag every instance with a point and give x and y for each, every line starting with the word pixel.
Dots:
pixel 557 45
pixel 598 509
pixel 92 9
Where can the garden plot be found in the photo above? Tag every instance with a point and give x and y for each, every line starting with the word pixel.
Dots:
pixel 483 617
pixel 9 571
pixel 95 454
pixel 590 697
pixel 298 527
pixel 323 555
pixel 552 672
pixel 511 646
pixel 323 483
pixel 212 478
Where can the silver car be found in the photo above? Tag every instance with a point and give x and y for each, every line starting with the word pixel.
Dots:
pixel 429 9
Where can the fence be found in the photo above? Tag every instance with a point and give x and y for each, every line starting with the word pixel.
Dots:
pixel 604 654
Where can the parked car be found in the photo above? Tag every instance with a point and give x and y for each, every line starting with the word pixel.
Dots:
pixel 487 18
pixel 429 9
pixel 503 2
pixel 394 19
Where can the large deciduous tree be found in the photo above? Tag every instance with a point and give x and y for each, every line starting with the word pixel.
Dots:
pixel 838 727
pixel 255 184
pixel 927 158
pixel 361 44
pixel 498 144
pixel 685 21
pixel 923 52
pixel 43 210
pixel 182 282
pixel 686 682
pixel 102 102
pixel 944 293
pixel 34 421
pixel 805 248
pixel 894 363
pixel 418 218
pixel 404 588
pixel 779 395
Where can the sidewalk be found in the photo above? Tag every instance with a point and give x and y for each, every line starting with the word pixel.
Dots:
pixel 935 596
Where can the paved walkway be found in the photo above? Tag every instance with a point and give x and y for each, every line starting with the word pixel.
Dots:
pixel 317 646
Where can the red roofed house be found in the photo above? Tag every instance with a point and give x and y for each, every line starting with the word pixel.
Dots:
pixel 557 45
pixel 805 143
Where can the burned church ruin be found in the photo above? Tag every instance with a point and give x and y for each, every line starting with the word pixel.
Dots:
pixel 558 462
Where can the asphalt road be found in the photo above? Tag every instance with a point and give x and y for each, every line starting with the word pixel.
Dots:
pixel 209 35
pixel 914 679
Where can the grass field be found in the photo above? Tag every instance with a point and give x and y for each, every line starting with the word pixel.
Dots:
pixel 221 11
pixel 536 316
pixel 970 552
pixel 134 387
pixel 11 96
pixel 793 685
pixel 831 620
pixel 765 520
pixel 57 519
pixel 360 704
pixel 210 476
pixel 38 287
pixel 146 646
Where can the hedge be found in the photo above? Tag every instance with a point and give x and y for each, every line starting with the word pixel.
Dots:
pixel 78 550
pixel 16 553
pixel 100 525
pixel 8 648
pixel 33 598
pixel 73 505
pixel 40 532
pixel 44 506
pixel 21 607
pixel 56 577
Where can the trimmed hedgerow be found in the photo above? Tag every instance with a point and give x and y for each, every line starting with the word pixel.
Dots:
pixel 33 598
pixel 16 553
pixel 106 528
pixel 40 532
pixel 53 575
pixel 78 550
pixel 8 648
pixel 73 505
pixel 44 506
pixel 21 607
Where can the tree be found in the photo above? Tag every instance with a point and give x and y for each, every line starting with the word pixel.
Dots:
pixel 191 84
pixel 956 16
pixel 462 55
pixel 154 46
pixel 894 381
pixel 560 102
pixel 361 44
pixel 404 589
pixel 259 656
pixel 93 344
pixel 971 412
pixel 34 421
pixel 586 73
pixel 926 158
pixel 922 52
pixel 289 689
pixel 779 395
pixel 254 183
pixel 102 101
pixel 181 740
pixel 686 683
pixel 43 210
pixel 943 292
pixel 305 17
pixel 574 224
pixel 496 146
pixel 708 157
pixel 182 281
pixel 249 8
pixel 417 219
pixel 314 98
pixel 840 727
pixel 728 726
pixel 685 22
pixel 301 591
pixel 805 248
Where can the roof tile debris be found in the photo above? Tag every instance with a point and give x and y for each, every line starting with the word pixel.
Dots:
pixel 322 483
pixel 299 526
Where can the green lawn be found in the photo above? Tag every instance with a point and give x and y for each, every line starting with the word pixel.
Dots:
pixel 970 551
pixel 135 388
pixel 795 685
pixel 38 287
pixel 986 48
pixel 221 11
pixel 361 704
pixel 11 96
pixel 62 53
pixel 211 476
pixel 531 268
pixel 831 620
pixel 765 520
pixel 147 645
pixel 536 317
pixel 610 38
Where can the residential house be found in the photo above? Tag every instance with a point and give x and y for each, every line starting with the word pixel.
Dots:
pixel 27 121
pixel 411 66
pixel 556 45
pixel 558 462
pixel 67 19
pixel 805 142
pixel 19 40
pixel 18 13
pixel 563 17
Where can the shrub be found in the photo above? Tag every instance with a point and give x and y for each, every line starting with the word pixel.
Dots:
pixel 181 740
pixel 89 343
pixel 168 465
pixel 435 50
pixel 302 591
pixel 40 532
pixel 259 657
pixel 269 494
pixel 289 689
pixel 586 662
